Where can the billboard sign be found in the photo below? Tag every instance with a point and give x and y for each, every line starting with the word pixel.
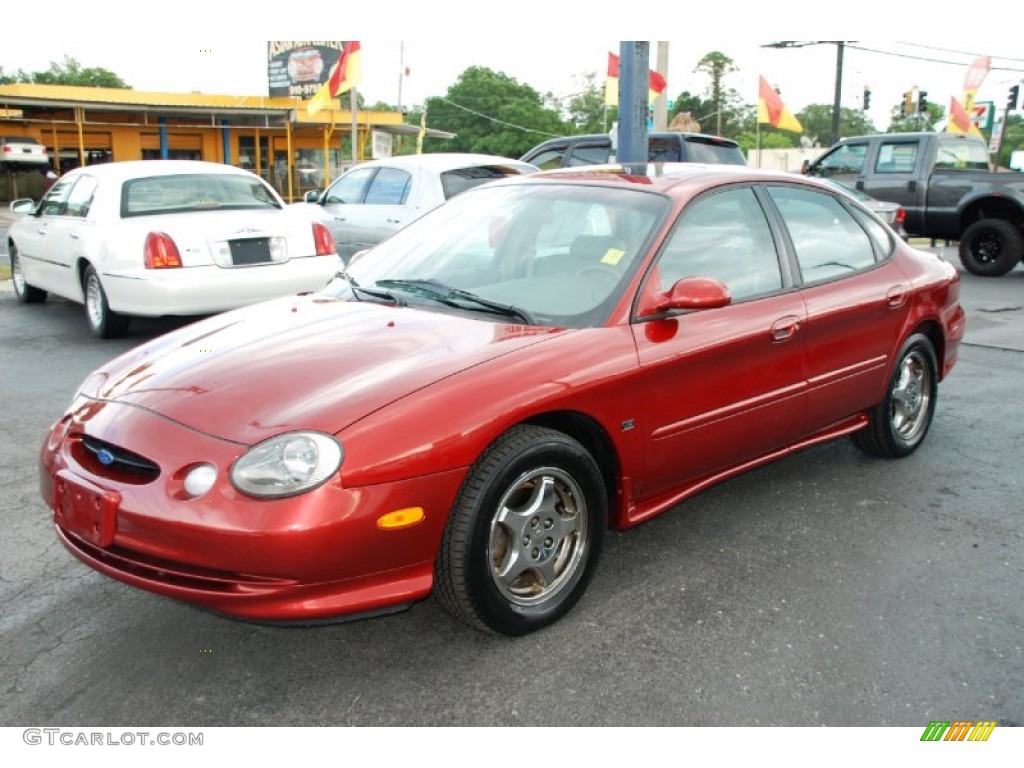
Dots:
pixel 299 67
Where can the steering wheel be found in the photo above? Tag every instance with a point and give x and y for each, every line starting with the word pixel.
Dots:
pixel 606 275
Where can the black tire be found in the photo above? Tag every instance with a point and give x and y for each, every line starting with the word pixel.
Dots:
pixel 533 505
pixel 991 247
pixel 898 425
pixel 103 322
pixel 25 293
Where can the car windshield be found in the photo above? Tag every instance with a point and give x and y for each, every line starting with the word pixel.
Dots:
pixel 183 193
pixel 550 254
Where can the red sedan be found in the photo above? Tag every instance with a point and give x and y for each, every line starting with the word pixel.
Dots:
pixel 471 404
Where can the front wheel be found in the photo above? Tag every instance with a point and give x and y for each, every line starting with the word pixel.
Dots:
pixel 898 425
pixel 525 533
pixel 991 247
pixel 25 293
pixel 103 322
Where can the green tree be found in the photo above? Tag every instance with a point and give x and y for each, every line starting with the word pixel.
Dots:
pixel 919 121
pixel 586 109
pixel 717 65
pixel 492 113
pixel 817 122
pixel 1013 139
pixel 68 72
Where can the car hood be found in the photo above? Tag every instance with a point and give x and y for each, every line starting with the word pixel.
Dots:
pixel 305 362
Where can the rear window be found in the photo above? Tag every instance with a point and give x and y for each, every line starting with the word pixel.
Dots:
pixel 18 140
pixel 701 149
pixel 193 192
pixel 459 180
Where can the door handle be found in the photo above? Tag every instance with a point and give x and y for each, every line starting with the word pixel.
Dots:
pixel 911 186
pixel 74 236
pixel 860 184
pixel 785 328
pixel 896 296
pixel 394 221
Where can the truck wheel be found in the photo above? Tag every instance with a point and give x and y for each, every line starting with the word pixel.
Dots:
pixel 991 247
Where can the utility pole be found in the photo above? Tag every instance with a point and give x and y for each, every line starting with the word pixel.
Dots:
pixel 661 103
pixel 837 99
pixel 634 68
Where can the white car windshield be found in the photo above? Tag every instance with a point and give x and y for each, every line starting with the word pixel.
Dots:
pixel 549 254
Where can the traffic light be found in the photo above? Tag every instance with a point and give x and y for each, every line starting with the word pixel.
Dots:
pixel 1011 100
pixel 867 99
pixel 922 101
pixel 907 107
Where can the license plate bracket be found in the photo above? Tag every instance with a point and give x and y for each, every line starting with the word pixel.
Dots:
pixel 83 508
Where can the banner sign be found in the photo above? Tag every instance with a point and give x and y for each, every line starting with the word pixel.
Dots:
pixel 299 67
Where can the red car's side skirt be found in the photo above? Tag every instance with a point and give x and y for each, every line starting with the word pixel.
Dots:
pixel 637 513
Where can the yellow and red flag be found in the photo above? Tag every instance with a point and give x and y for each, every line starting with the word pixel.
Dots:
pixel 959 119
pixel 772 111
pixel 655 83
pixel 972 81
pixel 345 75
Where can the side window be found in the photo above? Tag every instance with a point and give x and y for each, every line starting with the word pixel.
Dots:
pixel 876 232
pixel 349 188
pixel 550 158
pixel 590 154
pixel 725 236
pixel 896 157
pixel 849 158
pixel 389 187
pixel 958 153
pixel 80 197
pixel 52 203
pixel 828 241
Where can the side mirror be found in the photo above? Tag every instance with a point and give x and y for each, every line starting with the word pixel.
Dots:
pixel 313 196
pixel 23 205
pixel 689 293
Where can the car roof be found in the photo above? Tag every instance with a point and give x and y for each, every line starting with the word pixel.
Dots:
pixel 131 169
pixel 663 177
pixel 444 161
pixel 652 135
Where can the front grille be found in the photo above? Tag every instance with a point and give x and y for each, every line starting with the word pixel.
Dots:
pixel 109 460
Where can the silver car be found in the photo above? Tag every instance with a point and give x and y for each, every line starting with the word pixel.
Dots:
pixel 375 199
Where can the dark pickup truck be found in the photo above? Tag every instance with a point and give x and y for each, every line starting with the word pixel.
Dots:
pixel 947 188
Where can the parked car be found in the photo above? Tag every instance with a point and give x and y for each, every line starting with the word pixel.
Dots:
pixel 470 405
pixel 596 149
pixel 891 213
pixel 375 199
pixel 945 183
pixel 164 237
pixel 22 152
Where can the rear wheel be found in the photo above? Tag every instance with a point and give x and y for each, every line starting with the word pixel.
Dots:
pixel 525 533
pixel 25 293
pixel 103 322
pixel 991 247
pixel 898 425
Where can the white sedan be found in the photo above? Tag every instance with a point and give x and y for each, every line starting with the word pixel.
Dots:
pixel 164 237
pixel 375 199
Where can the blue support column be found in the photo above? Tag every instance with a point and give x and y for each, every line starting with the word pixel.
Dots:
pixel 164 149
pixel 225 138
pixel 634 65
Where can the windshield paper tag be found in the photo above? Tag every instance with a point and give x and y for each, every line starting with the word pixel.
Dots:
pixel 613 256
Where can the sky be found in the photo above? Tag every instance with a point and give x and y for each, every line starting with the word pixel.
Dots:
pixel 221 48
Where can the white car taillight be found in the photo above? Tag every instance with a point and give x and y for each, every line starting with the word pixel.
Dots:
pixel 323 240
pixel 161 252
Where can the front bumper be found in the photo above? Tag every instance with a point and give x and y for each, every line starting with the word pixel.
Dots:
pixel 303 559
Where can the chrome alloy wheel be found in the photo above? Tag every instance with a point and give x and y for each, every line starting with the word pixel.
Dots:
pixel 538 537
pixel 911 398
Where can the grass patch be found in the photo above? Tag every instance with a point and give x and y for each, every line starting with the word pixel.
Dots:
pixel 5 272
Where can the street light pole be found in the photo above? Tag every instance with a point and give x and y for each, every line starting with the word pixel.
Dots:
pixel 837 101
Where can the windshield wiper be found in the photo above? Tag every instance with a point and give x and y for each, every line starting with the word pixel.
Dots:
pixel 442 292
pixel 357 289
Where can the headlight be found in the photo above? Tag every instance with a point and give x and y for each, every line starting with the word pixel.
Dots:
pixel 287 465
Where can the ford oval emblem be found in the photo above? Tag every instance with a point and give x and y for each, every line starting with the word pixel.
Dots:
pixel 105 457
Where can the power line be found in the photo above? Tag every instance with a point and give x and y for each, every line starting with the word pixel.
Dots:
pixel 950 50
pixel 929 59
pixel 496 120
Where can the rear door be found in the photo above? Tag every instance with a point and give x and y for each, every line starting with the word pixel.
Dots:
pixel 856 299
pixel 895 167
